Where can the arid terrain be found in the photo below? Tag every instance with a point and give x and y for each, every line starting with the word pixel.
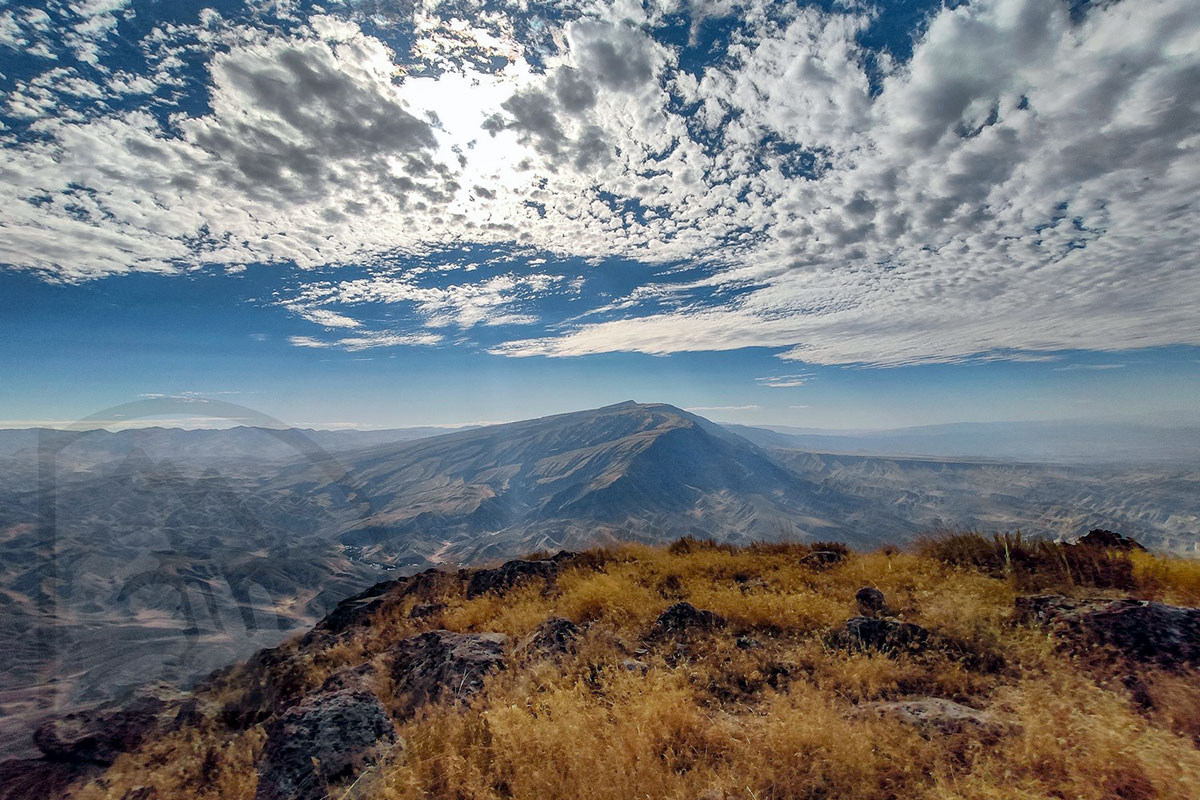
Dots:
pixel 169 553
pixel 963 668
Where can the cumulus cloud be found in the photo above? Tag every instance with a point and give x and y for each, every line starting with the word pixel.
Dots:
pixel 323 316
pixel 493 301
pixel 1024 183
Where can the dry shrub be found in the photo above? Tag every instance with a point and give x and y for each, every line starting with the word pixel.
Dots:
pixel 690 544
pixel 1171 580
pixel 197 764
pixel 1034 564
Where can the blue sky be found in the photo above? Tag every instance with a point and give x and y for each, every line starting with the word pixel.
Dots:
pixel 824 215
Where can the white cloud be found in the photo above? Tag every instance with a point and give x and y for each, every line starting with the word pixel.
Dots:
pixel 490 302
pixel 783 381
pixel 1025 183
pixel 322 316
pixel 367 341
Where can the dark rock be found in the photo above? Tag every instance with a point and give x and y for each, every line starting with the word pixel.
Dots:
pixel 365 677
pixel 935 715
pixel 893 637
pixel 555 635
pixel 506 576
pixel 885 635
pixel 1098 537
pixel 823 558
pixel 685 618
pixel 193 711
pixel 100 735
pixel 41 779
pixel 328 738
pixel 870 601
pixel 423 610
pixel 633 665
pixel 357 611
pixel 1139 630
pixel 441 664
pixel 747 643
pixel 825 554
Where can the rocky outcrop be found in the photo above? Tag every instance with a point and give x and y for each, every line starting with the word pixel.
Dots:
pixel 442 665
pixel 893 637
pixel 426 610
pixel 99 736
pixel 554 636
pixel 884 635
pixel 1098 537
pixel 42 779
pixel 358 610
pixel 326 739
pixel 938 716
pixel 823 558
pixel 504 577
pixel 366 677
pixel 1139 630
pixel 685 618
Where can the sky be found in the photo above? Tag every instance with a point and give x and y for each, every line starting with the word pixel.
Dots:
pixel 375 214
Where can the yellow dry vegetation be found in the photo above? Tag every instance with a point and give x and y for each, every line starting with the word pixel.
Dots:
pixel 773 721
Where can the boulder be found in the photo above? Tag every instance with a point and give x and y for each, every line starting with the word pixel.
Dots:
pixel 1139 630
pixel 439 664
pixel 357 611
pixel 41 779
pixel 938 716
pixel 885 635
pixel 423 610
pixel 870 601
pixel 100 735
pixel 554 636
pixel 507 575
pixel 684 618
pixel 1098 537
pixel 365 677
pixel 326 739
pixel 823 558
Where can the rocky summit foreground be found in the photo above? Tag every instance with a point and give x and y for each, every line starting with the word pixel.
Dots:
pixel 966 668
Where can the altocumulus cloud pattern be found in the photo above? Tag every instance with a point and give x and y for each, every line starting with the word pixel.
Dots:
pixel 846 182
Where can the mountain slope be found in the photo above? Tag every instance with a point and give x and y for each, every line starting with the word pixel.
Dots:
pixel 631 471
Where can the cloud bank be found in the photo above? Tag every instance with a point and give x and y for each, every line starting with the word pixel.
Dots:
pixel 1024 180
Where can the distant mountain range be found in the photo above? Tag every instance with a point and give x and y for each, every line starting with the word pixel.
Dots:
pixel 163 553
pixel 1063 442
pixel 84 449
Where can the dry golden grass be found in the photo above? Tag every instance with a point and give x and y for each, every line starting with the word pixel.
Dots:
pixel 768 723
